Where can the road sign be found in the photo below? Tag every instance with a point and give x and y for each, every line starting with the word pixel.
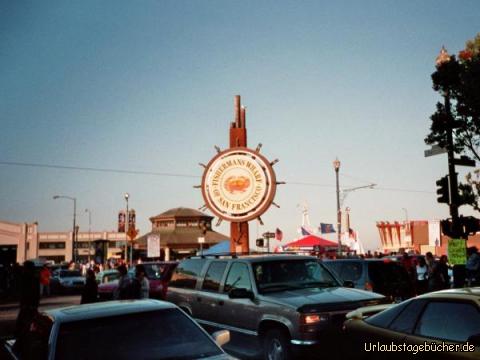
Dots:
pixel 153 246
pixel 464 161
pixel 435 150
pixel 132 233
pixel 457 252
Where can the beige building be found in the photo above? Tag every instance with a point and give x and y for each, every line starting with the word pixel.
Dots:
pixel 179 230
pixel 20 242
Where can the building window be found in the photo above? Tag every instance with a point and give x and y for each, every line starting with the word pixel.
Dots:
pixel 52 245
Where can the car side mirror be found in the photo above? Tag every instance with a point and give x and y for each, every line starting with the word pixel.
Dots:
pixel 221 337
pixel 349 284
pixel 241 294
pixel 474 340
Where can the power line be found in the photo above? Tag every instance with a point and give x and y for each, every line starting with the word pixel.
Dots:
pixel 137 172
pixel 121 171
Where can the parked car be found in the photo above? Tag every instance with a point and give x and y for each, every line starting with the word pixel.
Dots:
pixel 282 302
pixel 450 317
pixel 382 276
pixel 158 274
pixel 141 329
pixel 66 281
pixel 107 276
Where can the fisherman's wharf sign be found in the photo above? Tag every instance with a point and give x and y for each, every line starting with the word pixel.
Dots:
pixel 238 184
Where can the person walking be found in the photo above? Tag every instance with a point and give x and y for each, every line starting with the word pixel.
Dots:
pixel 29 301
pixel 124 281
pixel 141 276
pixel 90 291
pixel 473 266
pixel 422 276
pixel 439 279
pixel 45 281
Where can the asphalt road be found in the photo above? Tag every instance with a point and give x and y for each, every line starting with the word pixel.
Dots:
pixel 9 311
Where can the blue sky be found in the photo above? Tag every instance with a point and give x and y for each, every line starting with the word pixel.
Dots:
pixel 149 86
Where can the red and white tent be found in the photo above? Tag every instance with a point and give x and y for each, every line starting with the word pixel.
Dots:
pixel 308 242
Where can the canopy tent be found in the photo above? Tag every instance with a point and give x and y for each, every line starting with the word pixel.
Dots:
pixel 310 241
pixel 222 247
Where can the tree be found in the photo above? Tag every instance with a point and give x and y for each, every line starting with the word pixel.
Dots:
pixel 458 80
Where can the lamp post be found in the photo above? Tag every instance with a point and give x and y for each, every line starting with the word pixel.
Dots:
pixel 336 166
pixel 89 232
pixel 74 232
pixel 127 217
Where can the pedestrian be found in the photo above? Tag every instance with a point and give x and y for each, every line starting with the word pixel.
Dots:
pixel 90 290
pixel 122 290
pixel 439 278
pixel 422 276
pixel 141 276
pixel 409 266
pixel 473 266
pixel 430 261
pixel 29 300
pixel 45 281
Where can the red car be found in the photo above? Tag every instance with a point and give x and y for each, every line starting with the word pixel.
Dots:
pixel 158 274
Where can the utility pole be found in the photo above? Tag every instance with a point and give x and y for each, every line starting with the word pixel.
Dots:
pixel 336 166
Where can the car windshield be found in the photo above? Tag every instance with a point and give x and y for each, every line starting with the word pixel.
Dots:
pixel 154 271
pixel 162 334
pixel 291 274
pixel 70 273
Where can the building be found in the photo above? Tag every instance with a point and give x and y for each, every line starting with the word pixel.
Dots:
pixel 419 236
pixel 20 242
pixel 179 230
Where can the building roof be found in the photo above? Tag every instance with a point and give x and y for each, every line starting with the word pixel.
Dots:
pixel 182 236
pixel 181 212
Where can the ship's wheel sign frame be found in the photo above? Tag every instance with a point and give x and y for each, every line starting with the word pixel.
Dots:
pixel 238 184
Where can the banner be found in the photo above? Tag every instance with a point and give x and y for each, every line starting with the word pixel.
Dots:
pixel 153 246
pixel 326 228
pixel 457 252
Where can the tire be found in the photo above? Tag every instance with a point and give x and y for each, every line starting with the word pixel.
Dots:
pixel 276 345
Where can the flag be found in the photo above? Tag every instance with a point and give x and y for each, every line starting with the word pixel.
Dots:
pixel 326 228
pixel 305 231
pixel 352 234
pixel 278 234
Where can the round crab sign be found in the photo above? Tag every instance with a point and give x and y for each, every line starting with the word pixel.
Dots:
pixel 238 184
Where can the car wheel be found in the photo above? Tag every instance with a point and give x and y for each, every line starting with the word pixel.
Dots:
pixel 276 345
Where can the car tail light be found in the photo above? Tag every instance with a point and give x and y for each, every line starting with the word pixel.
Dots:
pixel 368 286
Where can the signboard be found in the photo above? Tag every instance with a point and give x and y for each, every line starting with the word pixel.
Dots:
pixel 435 150
pixel 457 252
pixel 238 184
pixel 201 240
pixel 153 246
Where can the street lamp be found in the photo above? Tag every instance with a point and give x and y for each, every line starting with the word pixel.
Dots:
pixel 127 195
pixel 336 166
pixel 74 233
pixel 89 232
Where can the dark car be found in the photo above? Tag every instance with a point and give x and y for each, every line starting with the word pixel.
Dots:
pixel 382 276
pixel 158 274
pixel 275 304
pixel 140 329
pixel 448 320
pixel 67 281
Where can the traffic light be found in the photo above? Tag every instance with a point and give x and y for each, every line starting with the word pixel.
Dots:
pixel 260 242
pixel 470 225
pixel 443 190
pixel 447 228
